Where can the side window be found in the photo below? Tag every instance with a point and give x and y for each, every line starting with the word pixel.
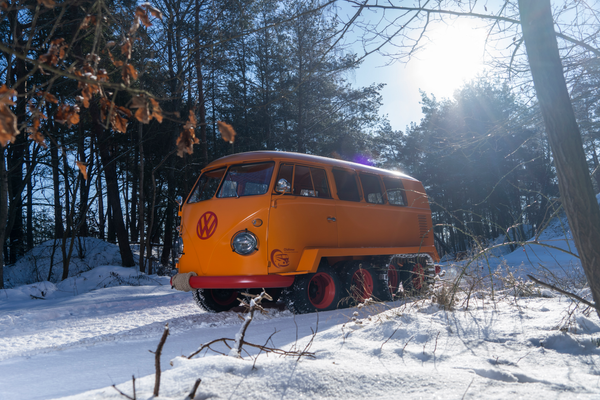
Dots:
pixel 320 182
pixel 395 191
pixel 207 185
pixel 371 188
pixel 345 182
pixel 308 181
pixel 302 182
pixel 285 172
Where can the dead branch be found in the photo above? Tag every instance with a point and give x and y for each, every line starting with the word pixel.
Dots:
pixel 266 349
pixel 569 294
pixel 251 307
pixel 310 342
pixel 126 395
pixel 193 392
pixel 157 353
pixel 266 342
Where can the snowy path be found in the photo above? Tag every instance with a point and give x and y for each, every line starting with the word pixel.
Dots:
pixel 80 345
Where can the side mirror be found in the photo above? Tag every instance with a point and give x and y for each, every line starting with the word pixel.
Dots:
pixel 283 186
pixel 179 200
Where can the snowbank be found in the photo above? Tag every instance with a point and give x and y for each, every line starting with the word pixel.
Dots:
pixel 88 253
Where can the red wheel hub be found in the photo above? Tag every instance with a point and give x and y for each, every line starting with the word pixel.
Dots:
pixel 418 277
pixel 362 280
pixel 321 290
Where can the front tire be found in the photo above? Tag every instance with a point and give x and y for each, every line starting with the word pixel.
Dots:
pixel 314 292
pixel 216 300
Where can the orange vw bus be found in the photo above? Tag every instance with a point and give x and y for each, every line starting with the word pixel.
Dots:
pixel 316 229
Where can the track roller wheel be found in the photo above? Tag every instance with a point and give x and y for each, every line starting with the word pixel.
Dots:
pixel 314 292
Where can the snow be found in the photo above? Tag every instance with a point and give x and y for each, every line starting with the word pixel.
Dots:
pixel 76 338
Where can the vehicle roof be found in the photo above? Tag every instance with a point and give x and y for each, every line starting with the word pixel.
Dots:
pixel 267 155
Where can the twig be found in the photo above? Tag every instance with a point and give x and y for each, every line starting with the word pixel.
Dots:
pixel 163 339
pixel 467 389
pixel 310 342
pixel 259 351
pixel 193 392
pixel 549 286
pixel 126 395
pixel 393 333
pixel 266 349
pixel 407 342
pixel 250 309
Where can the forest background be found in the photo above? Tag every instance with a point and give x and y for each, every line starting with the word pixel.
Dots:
pixel 107 95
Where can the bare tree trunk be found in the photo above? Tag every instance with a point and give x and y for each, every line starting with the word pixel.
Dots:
pixel 100 192
pixel 58 220
pixel 29 202
pixel 574 182
pixel 201 99
pixel 84 188
pixel 112 187
pixel 142 200
pixel 3 211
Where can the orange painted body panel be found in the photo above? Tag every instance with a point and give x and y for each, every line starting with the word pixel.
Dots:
pixel 295 231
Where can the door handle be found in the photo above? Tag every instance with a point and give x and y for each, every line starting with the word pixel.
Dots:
pixel 331 219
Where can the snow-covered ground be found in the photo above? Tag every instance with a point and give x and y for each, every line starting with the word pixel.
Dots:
pixel 76 338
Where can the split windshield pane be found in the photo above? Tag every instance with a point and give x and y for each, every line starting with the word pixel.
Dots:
pixel 247 180
pixel 207 185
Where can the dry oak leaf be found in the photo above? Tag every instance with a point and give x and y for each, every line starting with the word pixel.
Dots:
pixel 191 122
pixel 83 168
pixel 36 135
pixel 227 131
pixel 47 3
pixel 102 75
pixel 49 97
pixel 126 48
pixel 8 125
pixel 6 95
pixel 143 16
pixel 56 52
pixel 119 116
pixel 144 114
pixel 67 114
pixel 129 73
pixel 156 111
pixel 116 63
pixel 186 141
pixel 87 21
pixel 156 13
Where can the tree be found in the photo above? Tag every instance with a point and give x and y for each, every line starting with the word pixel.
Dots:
pixel 540 38
pixel 574 180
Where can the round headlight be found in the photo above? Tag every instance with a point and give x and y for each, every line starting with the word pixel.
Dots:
pixel 244 243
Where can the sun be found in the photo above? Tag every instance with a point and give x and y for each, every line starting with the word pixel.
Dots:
pixel 453 55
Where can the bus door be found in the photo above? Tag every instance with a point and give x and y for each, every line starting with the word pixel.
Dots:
pixel 303 216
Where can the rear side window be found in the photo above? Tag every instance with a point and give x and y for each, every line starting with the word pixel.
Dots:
pixel 246 180
pixel 371 188
pixel 307 181
pixel 207 185
pixel 345 182
pixel 395 192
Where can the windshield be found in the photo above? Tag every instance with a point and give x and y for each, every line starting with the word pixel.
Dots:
pixel 247 180
pixel 207 185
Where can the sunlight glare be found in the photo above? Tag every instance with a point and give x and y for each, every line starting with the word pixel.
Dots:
pixel 454 55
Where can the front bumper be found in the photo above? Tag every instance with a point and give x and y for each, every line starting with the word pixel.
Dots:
pixel 239 282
